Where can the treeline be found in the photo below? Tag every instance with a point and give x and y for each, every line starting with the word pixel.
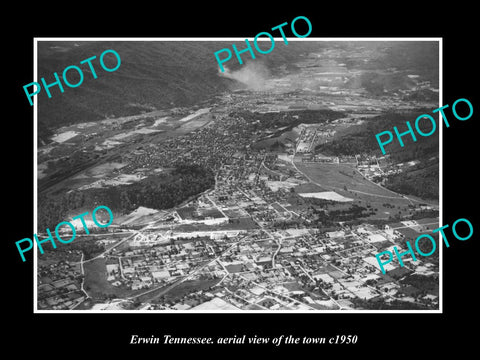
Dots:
pixel 162 191
pixel 290 119
pixel 424 283
pixel 90 248
pixel 428 213
pixel 352 213
pixel 423 183
pixel 361 138
pixel 157 192
pixel 381 304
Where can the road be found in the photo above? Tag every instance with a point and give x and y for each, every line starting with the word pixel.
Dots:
pixel 150 225
pixel 277 293
pixel 186 277
pixel 114 246
pixel 81 285
pixel 276 252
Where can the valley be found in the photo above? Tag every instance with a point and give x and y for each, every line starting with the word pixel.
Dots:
pixel 261 197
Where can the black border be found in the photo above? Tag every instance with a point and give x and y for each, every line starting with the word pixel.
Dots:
pixel 379 334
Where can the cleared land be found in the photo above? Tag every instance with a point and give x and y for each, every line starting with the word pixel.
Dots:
pixel 348 182
pixel 327 195
pixel 96 283
pixel 343 178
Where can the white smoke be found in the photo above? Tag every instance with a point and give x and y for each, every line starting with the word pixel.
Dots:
pixel 253 74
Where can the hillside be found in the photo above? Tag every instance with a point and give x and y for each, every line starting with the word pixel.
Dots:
pixel 361 138
pixel 153 75
pixel 282 125
pixel 164 74
pixel 386 67
pixel 415 57
pixel 422 179
pixel 162 191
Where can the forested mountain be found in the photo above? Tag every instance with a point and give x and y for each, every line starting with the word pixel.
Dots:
pixel 152 75
pixel 162 191
pixel 361 138
pixel 164 74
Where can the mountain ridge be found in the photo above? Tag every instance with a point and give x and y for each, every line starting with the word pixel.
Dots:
pixel 152 75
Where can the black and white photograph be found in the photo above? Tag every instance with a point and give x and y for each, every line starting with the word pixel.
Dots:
pixel 238 187
pixel 217 180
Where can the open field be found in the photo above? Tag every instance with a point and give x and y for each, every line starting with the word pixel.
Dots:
pixel 196 122
pixel 336 177
pixel 141 216
pixel 345 179
pixel 100 170
pixel 122 179
pixel 308 188
pixel 96 283
pixel 195 114
pixel 327 195
pixel 64 136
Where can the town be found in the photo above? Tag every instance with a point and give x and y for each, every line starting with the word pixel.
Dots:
pixel 284 227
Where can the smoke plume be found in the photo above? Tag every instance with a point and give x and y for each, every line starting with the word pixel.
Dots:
pixel 253 74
